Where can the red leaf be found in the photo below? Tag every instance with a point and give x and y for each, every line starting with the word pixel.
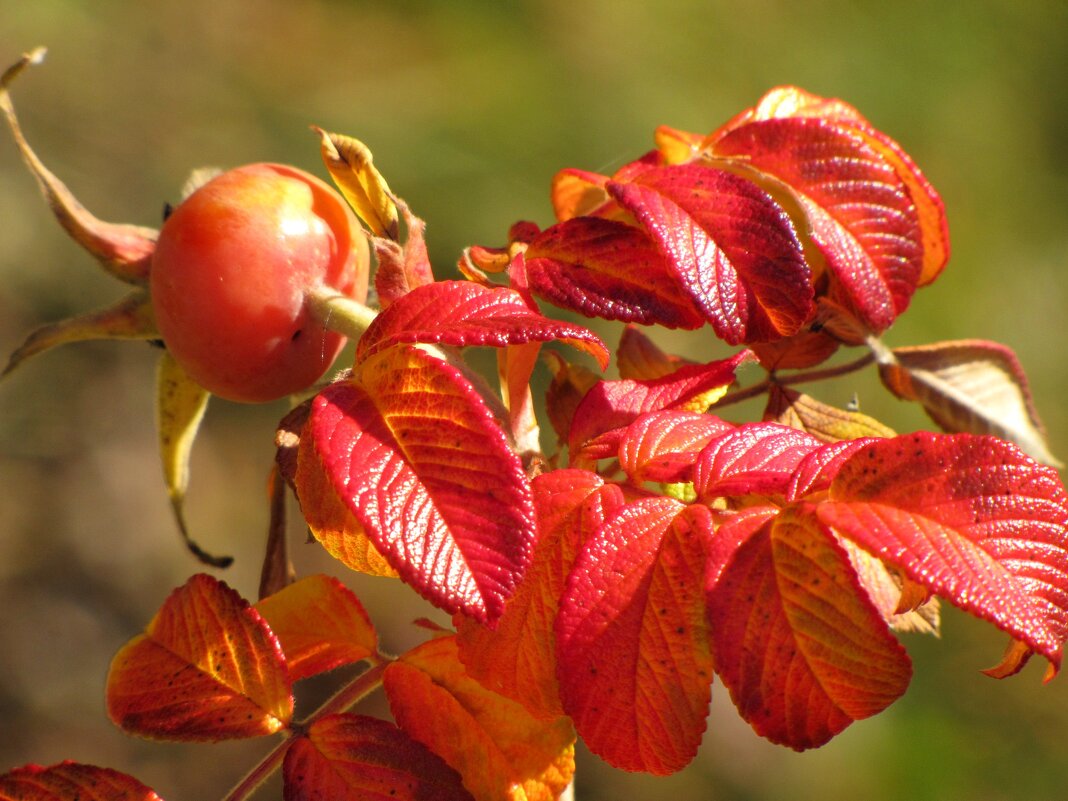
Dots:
pixel 461 313
pixel 518 658
pixel 732 248
pixel 500 750
pixel 359 758
pixel 610 406
pixel 755 458
pixel 320 625
pixel 859 212
pixel 815 472
pixel 401 268
pixel 662 446
pixel 608 269
pixel 795 638
pixel 207 668
pixel 972 519
pixel 632 640
pixel 71 781
pixel 421 462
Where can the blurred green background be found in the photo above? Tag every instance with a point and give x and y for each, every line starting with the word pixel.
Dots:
pixel 470 107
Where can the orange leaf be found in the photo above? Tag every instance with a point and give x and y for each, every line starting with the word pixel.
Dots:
pixel 518 658
pixel 330 520
pixel 207 668
pixel 358 758
pixel 320 625
pixel 632 637
pixel 801 648
pixel 70 781
pixel 825 423
pixel 639 358
pixel 501 750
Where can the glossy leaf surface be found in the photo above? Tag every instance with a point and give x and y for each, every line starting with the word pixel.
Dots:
pixel 320 625
pixel 972 519
pixel 461 313
pixel 207 668
pixel 732 248
pixel 752 458
pixel 422 464
pixel 71 781
pixel 632 639
pixel 359 758
pixel 500 749
pixel 518 658
pixel 663 446
pixel 801 648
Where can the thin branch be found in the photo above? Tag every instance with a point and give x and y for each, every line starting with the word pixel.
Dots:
pixel 739 395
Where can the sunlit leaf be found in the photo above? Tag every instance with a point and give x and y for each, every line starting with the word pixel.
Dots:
pixel 970 386
pixel 207 668
pixel 421 462
pixel 501 750
pixel 124 251
pixel 576 193
pixel 350 164
pixel 129 318
pixel 608 269
pixel 359 758
pixel 632 639
pixel 515 367
pixel 610 406
pixel 795 638
pixel 731 247
pixel 858 210
pixel 804 349
pixel 751 458
pixel 320 625
pixel 663 446
pixel 887 590
pixel 330 519
pixel 518 658
pixel 972 519
pixel 71 781
pixel 461 313
pixel 675 146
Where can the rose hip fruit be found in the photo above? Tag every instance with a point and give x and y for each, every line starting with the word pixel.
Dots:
pixel 231 275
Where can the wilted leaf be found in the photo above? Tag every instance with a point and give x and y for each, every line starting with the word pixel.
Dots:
pixel 359 758
pixel 824 422
pixel 634 664
pixel 886 590
pixel 180 406
pixel 970 386
pixel 421 462
pixel 350 164
pixel 207 668
pixel 401 268
pixel 124 251
pixel 568 387
pixel 461 313
pixel 518 658
pixel 972 519
pixel 71 781
pixel 129 318
pixel 502 752
pixel 320 625
pixel 731 247
pixel 795 638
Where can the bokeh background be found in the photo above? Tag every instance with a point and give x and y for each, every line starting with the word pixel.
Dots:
pixel 470 107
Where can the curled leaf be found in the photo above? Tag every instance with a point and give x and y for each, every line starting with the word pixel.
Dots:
pixel 969 386
pixel 350 164
pixel 124 251
pixel 129 318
